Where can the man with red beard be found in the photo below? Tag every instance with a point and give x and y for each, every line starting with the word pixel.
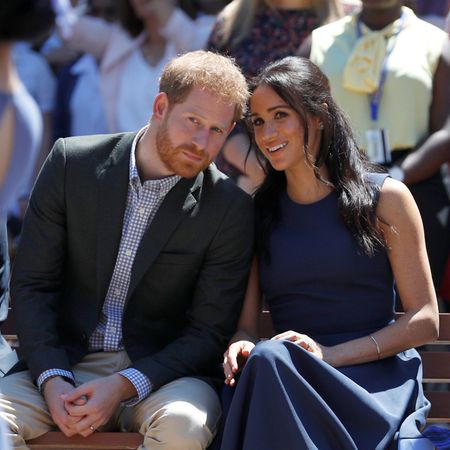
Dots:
pixel 131 271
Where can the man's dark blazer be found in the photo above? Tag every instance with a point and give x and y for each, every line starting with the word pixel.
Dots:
pixel 188 278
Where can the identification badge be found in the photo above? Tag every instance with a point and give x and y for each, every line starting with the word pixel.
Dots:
pixel 378 149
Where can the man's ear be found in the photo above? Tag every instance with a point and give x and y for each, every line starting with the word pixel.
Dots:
pixel 160 105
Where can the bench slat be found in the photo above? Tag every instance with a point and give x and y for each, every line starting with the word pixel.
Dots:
pixel 444 328
pixel 265 325
pixel 440 412
pixel 436 366
pixel 55 440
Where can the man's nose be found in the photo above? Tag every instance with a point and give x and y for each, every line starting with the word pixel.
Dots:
pixel 200 139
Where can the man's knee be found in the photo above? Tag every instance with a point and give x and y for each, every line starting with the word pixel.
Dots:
pixel 181 425
pixel 22 406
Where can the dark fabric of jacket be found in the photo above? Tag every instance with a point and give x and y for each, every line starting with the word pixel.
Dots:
pixel 189 274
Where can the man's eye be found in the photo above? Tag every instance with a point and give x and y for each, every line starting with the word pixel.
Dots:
pixel 217 130
pixel 193 120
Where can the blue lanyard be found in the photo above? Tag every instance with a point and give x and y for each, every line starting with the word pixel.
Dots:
pixel 375 98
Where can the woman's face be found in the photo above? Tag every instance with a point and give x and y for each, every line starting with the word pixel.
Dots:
pixel 279 132
pixel 144 8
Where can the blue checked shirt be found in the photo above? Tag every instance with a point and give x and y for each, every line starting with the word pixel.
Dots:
pixel 143 201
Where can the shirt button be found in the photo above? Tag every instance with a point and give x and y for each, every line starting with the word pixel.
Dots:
pixel 141 211
pixel 112 330
pixel 117 291
pixel 128 252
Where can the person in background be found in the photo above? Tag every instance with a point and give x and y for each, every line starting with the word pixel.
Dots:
pixel 79 104
pixel 445 288
pixel 133 53
pixel 332 238
pixel 20 130
pixel 350 6
pixel 131 271
pixel 203 12
pixel 39 80
pixel 57 53
pixel 433 11
pixel 256 32
pixel 390 71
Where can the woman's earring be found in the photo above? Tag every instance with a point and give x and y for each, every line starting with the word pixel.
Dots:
pixel 321 127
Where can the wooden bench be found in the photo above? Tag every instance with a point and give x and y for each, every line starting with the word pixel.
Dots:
pixel 55 440
pixel 436 364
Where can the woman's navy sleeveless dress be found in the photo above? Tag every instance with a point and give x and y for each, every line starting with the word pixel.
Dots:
pixel 319 282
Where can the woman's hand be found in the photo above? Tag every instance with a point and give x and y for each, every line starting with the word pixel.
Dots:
pixel 234 358
pixel 302 340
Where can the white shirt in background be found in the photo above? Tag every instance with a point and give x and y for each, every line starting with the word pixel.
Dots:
pixel 86 104
pixel 138 87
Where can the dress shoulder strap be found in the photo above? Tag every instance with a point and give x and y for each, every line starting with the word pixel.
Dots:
pixel 376 180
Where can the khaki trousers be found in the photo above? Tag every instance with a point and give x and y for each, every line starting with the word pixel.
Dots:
pixel 181 415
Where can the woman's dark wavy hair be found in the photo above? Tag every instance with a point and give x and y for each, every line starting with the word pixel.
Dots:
pixel 302 85
pixel 25 20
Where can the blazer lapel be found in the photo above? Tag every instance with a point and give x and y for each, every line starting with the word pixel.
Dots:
pixel 177 204
pixel 111 203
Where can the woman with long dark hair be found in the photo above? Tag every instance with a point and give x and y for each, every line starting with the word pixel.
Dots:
pixel 256 32
pixel 333 236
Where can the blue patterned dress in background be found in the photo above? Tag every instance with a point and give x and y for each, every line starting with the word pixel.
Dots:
pixel 275 33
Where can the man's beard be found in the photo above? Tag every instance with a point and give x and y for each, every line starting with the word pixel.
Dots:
pixel 173 157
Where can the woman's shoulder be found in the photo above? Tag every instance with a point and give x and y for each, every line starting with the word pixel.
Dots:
pixel 392 188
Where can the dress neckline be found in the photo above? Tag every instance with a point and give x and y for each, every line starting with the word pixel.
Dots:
pixel 327 197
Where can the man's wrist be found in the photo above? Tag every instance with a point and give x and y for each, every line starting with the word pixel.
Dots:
pixel 52 377
pixel 140 382
pixel 51 373
pixel 128 389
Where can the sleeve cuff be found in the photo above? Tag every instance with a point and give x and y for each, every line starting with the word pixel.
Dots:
pixel 67 375
pixel 140 382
